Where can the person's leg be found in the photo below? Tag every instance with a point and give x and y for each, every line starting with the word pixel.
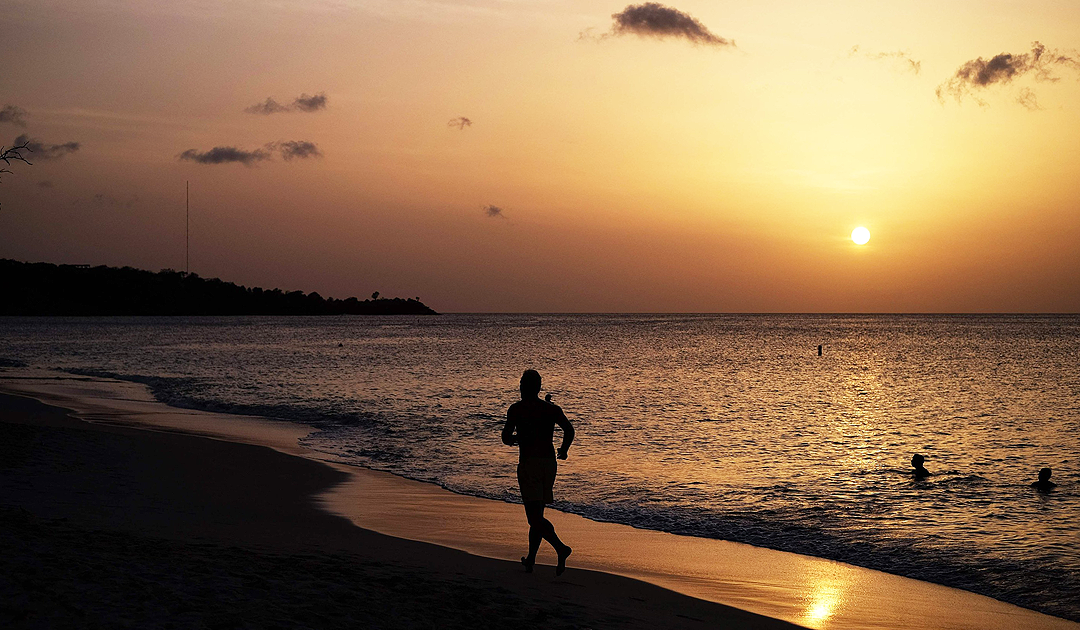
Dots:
pixel 534 511
pixel 541 529
pixel 550 472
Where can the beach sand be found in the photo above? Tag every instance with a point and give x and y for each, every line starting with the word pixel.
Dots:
pixel 166 526
pixel 108 526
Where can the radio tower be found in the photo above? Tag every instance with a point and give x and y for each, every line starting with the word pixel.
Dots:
pixel 187 227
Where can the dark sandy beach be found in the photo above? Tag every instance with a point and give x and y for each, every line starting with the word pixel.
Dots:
pixel 106 526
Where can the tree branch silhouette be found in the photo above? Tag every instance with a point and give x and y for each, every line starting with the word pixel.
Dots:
pixel 14 153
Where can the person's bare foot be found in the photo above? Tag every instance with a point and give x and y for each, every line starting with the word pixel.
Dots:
pixel 528 564
pixel 563 555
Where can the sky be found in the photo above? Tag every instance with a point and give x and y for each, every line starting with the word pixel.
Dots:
pixel 558 155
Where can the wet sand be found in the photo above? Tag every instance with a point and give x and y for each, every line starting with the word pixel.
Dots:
pixel 269 508
pixel 110 526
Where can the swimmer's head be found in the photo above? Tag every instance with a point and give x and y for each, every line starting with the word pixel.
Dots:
pixel 530 383
pixel 917 461
pixel 1044 474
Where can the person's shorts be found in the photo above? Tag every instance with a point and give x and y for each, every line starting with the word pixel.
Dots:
pixel 536 477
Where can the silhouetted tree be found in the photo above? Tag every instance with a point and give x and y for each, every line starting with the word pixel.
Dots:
pixel 14 153
pixel 375 295
pixel 46 289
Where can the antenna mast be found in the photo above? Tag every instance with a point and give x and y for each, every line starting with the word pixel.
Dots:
pixel 187 227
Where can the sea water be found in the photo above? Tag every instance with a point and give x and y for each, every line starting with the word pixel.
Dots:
pixel 722 426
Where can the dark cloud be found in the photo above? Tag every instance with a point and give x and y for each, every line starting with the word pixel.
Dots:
pixel 45 184
pixel 296 149
pixel 1001 69
pixel 14 115
pixel 41 151
pixel 287 149
pixel 902 58
pixel 460 122
pixel 307 103
pixel 225 155
pixel 302 103
pixel 494 212
pixel 269 106
pixel 652 19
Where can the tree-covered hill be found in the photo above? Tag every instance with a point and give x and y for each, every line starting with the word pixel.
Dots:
pixel 48 289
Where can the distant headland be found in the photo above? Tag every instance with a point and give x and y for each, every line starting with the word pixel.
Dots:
pixel 48 289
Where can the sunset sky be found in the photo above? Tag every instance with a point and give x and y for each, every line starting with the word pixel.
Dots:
pixel 695 156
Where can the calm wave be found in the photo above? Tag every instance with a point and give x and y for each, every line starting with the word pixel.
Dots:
pixel 720 426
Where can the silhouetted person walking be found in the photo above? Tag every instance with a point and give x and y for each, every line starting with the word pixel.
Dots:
pixel 1044 484
pixel 530 425
pixel 917 463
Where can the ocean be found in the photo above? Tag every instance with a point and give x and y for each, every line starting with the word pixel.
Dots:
pixel 721 426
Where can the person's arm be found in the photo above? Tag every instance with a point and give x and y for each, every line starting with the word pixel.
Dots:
pixel 509 438
pixel 567 434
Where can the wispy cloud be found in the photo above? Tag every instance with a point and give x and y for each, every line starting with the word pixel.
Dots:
pixel 225 155
pixel 41 151
pixel 287 149
pixel 300 149
pixel 45 184
pixel 978 74
pixel 494 212
pixel 269 106
pixel 1028 99
pixel 460 122
pixel 902 58
pixel 302 103
pixel 652 19
pixel 13 114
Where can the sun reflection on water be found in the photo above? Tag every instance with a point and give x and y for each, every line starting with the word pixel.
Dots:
pixel 728 427
pixel 824 600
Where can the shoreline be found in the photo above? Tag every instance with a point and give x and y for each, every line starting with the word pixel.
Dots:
pixel 104 525
pixel 801 589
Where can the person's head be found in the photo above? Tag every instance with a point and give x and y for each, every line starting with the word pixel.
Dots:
pixel 1044 474
pixel 917 461
pixel 530 383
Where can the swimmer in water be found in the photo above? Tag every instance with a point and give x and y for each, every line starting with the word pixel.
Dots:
pixel 1044 484
pixel 917 463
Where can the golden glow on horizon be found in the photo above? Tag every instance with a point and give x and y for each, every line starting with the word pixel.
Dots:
pixel 633 174
pixel 860 235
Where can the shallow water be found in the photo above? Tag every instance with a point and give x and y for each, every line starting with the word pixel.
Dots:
pixel 720 426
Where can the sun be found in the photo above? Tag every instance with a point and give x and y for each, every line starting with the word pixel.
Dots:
pixel 860 235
